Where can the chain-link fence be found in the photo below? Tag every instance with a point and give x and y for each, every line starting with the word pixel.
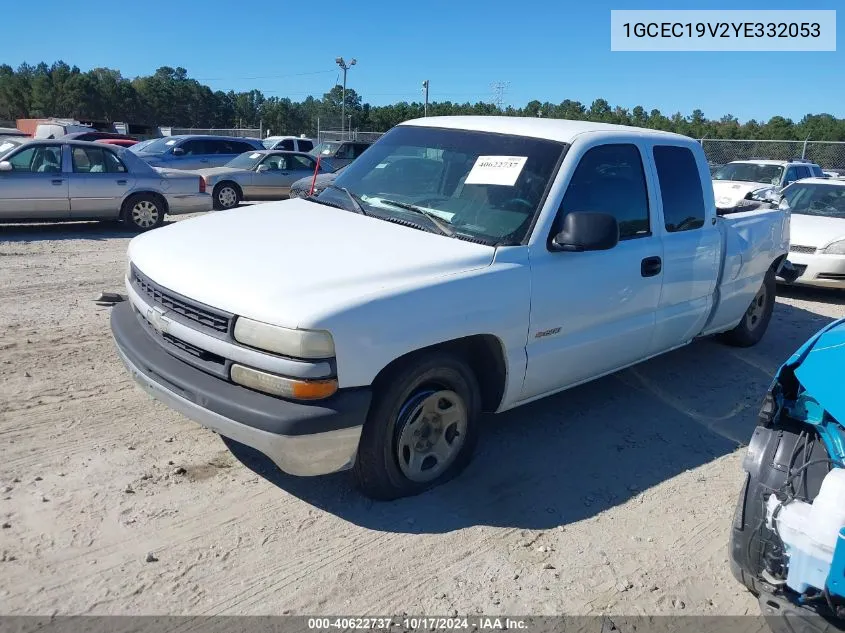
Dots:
pixel 347 135
pixel 238 132
pixel 827 154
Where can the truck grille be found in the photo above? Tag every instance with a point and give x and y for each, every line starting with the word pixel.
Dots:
pixel 202 315
pixel 795 248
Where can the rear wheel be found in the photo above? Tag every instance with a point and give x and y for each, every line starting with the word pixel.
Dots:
pixel 142 212
pixel 421 429
pixel 226 196
pixel 756 319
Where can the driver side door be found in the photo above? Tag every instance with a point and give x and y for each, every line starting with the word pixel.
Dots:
pixel 37 186
pixel 593 312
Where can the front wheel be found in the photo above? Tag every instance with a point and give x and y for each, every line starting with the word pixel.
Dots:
pixel 756 319
pixel 421 429
pixel 226 196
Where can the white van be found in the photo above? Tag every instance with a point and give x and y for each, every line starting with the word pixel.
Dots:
pixel 57 129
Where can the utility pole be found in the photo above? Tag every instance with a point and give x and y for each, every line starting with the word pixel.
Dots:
pixel 499 89
pixel 425 89
pixel 339 61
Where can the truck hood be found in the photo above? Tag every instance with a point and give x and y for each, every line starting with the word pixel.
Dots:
pixel 295 263
pixel 729 192
pixel 815 230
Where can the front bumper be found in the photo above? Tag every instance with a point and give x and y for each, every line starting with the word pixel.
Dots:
pixel 301 439
pixel 178 204
pixel 820 270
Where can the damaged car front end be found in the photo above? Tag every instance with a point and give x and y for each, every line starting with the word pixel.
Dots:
pixel 788 533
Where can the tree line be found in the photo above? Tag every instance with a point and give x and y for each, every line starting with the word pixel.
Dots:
pixel 169 97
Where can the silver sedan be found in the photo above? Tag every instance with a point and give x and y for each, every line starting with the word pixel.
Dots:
pixel 259 175
pixel 68 180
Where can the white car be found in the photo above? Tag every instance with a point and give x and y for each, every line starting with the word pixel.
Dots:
pixel 744 184
pixel 817 238
pixel 289 143
pixel 369 327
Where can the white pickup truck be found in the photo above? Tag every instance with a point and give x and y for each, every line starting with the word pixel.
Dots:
pixel 461 265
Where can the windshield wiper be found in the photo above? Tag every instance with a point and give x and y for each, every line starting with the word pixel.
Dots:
pixel 356 203
pixel 436 221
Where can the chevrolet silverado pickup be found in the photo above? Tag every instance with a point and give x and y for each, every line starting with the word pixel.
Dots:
pixel 461 265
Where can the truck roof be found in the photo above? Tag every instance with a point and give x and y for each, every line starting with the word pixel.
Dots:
pixel 562 130
pixel 766 161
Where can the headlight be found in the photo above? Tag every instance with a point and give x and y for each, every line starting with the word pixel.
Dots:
pixel 296 343
pixel 837 248
pixel 281 386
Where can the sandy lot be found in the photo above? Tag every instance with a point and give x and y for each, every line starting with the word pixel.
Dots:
pixel 615 497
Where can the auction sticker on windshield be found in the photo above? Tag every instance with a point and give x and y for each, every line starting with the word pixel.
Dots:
pixel 254 155
pixel 496 170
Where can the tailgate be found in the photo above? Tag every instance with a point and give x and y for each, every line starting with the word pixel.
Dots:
pixel 751 242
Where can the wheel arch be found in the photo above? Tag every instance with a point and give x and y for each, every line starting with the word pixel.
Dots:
pixel 485 355
pixel 228 181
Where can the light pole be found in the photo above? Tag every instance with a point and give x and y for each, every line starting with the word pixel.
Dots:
pixel 339 61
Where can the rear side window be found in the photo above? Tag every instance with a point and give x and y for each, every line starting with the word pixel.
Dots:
pixel 286 144
pixel 610 179
pixel 817 171
pixel 804 172
pixel 680 188
pixel 305 146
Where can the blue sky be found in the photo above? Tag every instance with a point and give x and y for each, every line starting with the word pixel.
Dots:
pixel 550 51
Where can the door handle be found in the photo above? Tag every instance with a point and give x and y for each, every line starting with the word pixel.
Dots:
pixel 121 182
pixel 57 181
pixel 651 266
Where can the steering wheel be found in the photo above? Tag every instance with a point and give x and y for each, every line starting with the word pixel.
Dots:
pixel 522 202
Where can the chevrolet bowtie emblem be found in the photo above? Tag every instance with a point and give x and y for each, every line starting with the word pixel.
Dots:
pixel 155 316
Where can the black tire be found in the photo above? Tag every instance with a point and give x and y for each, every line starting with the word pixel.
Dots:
pixel 755 322
pixel 377 469
pixel 142 212
pixel 226 195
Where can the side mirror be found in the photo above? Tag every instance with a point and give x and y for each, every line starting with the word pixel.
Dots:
pixel 5 166
pixel 262 168
pixel 178 151
pixel 587 231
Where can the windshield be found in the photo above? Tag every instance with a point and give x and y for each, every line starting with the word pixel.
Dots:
pixel 158 146
pixel 750 172
pixel 141 145
pixel 269 142
pixel 325 149
pixel 807 199
pixel 5 146
pixel 484 186
pixel 247 160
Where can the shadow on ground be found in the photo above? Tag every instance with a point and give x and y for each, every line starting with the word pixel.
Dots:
pixel 81 230
pixel 834 296
pixel 573 455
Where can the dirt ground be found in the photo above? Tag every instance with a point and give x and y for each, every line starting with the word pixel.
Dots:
pixel 615 497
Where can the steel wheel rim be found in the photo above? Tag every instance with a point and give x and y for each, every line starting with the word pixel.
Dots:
pixel 144 214
pixel 433 431
pixel 227 197
pixel 755 311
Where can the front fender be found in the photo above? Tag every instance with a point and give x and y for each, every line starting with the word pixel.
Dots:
pixel 376 331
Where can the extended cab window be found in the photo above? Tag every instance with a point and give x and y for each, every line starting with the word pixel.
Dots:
pixel 680 188
pixel 610 179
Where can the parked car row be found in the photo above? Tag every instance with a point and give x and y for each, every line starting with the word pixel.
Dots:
pixel 51 179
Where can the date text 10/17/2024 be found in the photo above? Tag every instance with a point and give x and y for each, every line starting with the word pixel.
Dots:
pixel 422 623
